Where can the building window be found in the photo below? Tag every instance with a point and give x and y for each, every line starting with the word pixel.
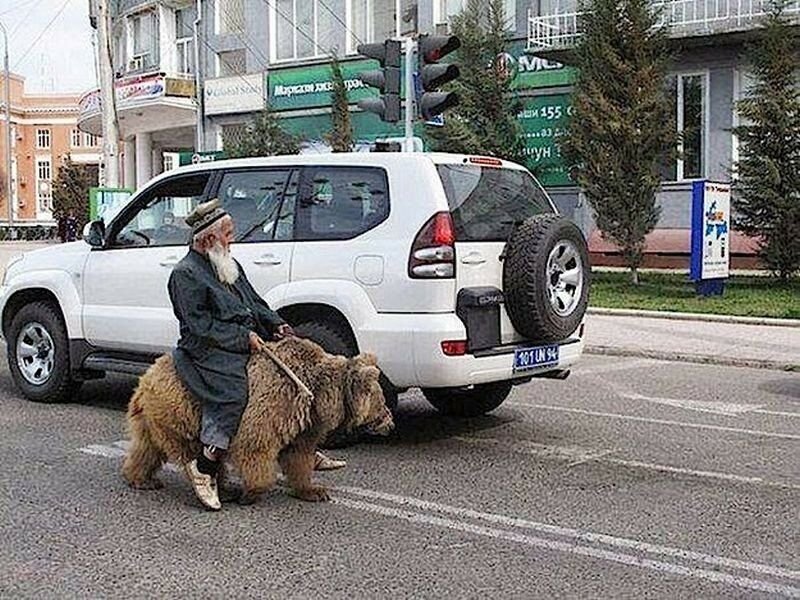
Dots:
pixel 90 140
pixel 691 121
pixel 233 135
pixel 142 41
pixel 184 31
pixel 230 16
pixel 44 192
pixel 75 138
pixel 231 63
pixel 43 138
pixel 307 28
pixel 445 10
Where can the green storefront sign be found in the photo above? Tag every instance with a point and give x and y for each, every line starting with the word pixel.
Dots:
pixel 310 87
pixel 543 120
pixel 190 157
pixel 532 72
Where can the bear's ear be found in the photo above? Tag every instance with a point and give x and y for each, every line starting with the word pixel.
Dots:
pixel 366 359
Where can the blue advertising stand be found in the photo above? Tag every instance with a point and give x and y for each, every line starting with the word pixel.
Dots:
pixel 710 258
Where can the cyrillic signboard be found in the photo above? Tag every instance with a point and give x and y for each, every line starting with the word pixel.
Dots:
pixel 310 87
pixel 231 95
pixel 133 90
pixel 543 119
pixel 531 72
pixel 711 215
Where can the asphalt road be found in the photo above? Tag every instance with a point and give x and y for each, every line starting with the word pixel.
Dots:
pixel 633 478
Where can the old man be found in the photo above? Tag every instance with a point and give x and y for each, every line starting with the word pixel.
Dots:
pixel 222 320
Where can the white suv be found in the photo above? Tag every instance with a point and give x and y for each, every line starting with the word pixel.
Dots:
pixel 456 271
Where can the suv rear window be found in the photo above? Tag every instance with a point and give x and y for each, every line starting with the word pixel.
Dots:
pixel 485 202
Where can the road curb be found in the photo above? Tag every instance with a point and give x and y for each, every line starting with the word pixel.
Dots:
pixel 678 316
pixel 702 359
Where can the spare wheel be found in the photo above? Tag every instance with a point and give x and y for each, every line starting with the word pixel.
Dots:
pixel 546 277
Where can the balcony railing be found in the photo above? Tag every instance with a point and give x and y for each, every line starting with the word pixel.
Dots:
pixel 684 18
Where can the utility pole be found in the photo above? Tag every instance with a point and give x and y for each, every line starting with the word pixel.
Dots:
pixel 411 47
pixel 9 183
pixel 198 81
pixel 107 96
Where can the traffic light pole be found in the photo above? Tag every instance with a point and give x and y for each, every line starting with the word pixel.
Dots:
pixel 409 73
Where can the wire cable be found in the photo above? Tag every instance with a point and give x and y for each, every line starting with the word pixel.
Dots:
pixel 39 37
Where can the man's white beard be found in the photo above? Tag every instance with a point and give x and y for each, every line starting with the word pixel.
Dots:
pixel 225 267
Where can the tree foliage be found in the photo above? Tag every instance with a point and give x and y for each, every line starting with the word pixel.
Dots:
pixel 264 137
pixel 71 191
pixel 485 119
pixel 767 187
pixel 621 130
pixel 340 137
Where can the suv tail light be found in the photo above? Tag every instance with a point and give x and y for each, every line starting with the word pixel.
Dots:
pixel 433 253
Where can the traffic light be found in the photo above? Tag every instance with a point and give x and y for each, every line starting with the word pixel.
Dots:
pixel 433 75
pixel 386 79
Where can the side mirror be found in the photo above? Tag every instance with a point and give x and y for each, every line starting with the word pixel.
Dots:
pixel 94 234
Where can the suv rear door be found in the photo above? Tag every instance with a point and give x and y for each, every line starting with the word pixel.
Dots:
pixel 261 202
pixel 485 201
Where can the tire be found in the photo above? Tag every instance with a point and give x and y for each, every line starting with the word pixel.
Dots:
pixel 546 278
pixel 41 323
pixel 472 402
pixel 335 340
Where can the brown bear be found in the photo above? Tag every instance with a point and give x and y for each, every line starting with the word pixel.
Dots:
pixel 280 424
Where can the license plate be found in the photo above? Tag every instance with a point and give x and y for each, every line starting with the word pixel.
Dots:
pixel 532 358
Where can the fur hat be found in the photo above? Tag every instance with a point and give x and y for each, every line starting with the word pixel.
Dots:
pixel 204 215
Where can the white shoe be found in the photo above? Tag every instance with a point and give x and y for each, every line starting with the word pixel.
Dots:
pixel 205 486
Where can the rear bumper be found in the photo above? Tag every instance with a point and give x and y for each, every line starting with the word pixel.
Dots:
pixel 409 351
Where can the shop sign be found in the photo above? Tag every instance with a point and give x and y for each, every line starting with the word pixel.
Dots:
pixel 234 94
pixel 137 89
pixel 531 72
pixel 543 120
pixel 310 87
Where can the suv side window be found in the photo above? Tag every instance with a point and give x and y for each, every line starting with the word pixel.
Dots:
pixel 340 203
pixel 160 219
pixel 254 198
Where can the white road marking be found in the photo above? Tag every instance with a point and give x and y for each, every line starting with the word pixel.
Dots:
pixel 709 406
pixel 777 413
pixel 426 518
pixel 619 366
pixel 592 413
pixel 572 548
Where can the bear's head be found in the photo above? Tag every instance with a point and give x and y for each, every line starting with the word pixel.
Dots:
pixel 364 403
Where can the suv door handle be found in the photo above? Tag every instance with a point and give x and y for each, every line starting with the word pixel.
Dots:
pixel 267 259
pixel 170 261
pixel 473 258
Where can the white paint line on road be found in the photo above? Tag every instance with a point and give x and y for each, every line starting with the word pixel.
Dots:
pixel 592 413
pixel 115 451
pixel 581 456
pixel 620 366
pixel 572 548
pixel 777 413
pixel 585 536
pixel 709 406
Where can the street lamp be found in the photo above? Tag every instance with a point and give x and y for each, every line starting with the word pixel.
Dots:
pixel 9 186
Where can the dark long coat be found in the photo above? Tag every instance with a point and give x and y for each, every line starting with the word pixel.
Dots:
pixel 214 347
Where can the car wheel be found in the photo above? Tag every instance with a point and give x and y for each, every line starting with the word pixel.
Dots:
pixel 335 340
pixel 468 402
pixel 546 278
pixel 38 354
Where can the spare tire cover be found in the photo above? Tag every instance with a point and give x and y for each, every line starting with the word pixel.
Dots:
pixel 546 277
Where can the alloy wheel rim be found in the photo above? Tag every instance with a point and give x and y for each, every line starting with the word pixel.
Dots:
pixel 565 278
pixel 35 353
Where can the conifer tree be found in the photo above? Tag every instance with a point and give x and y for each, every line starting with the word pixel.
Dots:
pixel 340 138
pixel 485 119
pixel 71 192
pixel 767 187
pixel 265 137
pixel 621 130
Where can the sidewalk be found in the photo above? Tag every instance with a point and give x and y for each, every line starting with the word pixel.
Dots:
pixel 735 344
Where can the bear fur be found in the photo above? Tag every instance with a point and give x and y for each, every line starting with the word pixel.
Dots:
pixel 279 425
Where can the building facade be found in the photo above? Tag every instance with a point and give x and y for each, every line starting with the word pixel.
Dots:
pixel 276 53
pixel 44 132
